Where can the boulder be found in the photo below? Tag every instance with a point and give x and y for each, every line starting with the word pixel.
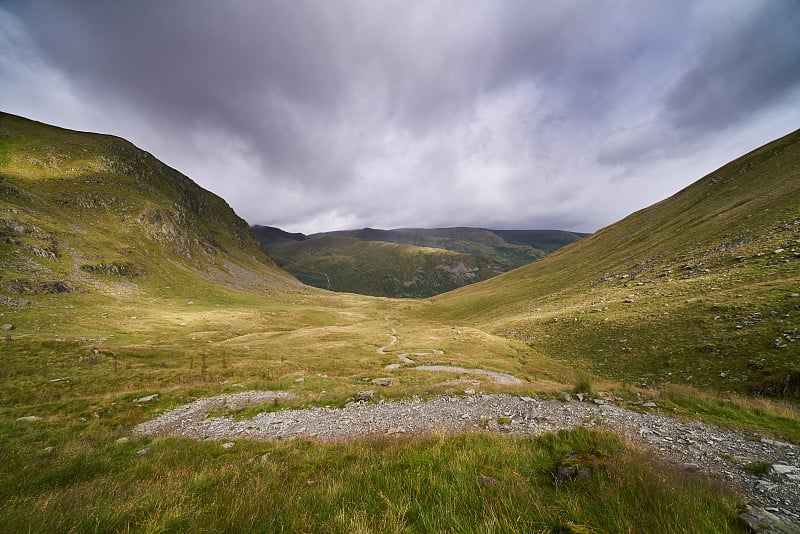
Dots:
pixel 148 398
pixel 58 380
pixel 691 467
pixel 577 466
pixel 789 472
pixel 760 521
pixel 383 382
pixel 364 395
pixel 7 327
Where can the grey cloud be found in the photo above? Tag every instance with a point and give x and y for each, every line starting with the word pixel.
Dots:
pixel 739 71
pixel 506 113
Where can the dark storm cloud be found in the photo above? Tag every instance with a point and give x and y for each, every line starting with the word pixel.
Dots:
pixel 318 115
pixel 741 67
pixel 245 71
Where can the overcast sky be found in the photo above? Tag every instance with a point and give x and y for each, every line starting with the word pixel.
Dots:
pixel 331 114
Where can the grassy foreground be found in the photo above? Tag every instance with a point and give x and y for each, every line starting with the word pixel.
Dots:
pixel 90 483
pixel 92 479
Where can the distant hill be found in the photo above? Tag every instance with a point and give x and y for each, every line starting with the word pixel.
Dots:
pixel 407 262
pixel 702 288
pixel 88 212
pixel 547 240
pixel 269 235
pixel 465 239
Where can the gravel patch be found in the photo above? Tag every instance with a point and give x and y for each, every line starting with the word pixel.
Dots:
pixel 694 445
pixel 500 378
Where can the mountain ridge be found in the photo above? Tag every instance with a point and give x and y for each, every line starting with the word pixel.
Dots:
pixel 404 262
pixel 90 209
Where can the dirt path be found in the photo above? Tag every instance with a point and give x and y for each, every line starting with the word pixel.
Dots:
pixel 500 378
pixel 695 445
pixel 393 340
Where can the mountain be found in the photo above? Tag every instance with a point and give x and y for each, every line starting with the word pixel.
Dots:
pixel 127 291
pixel 408 262
pixel 378 268
pixel 547 240
pixel 269 235
pixel 701 288
pixel 82 211
pixel 512 248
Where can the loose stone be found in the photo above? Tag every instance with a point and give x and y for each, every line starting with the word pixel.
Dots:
pixel 29 418
pixel 364 395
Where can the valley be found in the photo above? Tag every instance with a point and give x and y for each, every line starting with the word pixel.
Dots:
pixel 410 263
pixel 122 280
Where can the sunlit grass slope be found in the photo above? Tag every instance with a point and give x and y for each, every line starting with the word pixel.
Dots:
pixel 121 278
pixel 700 288
pixel 82 211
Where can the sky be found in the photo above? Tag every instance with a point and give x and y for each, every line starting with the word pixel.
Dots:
pixel 318 115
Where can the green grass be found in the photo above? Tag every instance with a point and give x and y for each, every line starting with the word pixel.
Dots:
pixel 207 313
pixel 583 384
pixel 690 290
pixel 758 469
pixel 93 483
pixel 407 263
pixel 735 411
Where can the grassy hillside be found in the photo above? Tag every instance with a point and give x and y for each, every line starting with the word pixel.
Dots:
pixel 477 241
pixel 121 279
pixel 701 288
pixel 82 211
pixel 380 269
pixel 406 262
pixel 269 235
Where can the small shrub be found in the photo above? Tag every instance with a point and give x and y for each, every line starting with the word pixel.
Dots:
pixel 759 469
pixel 583 383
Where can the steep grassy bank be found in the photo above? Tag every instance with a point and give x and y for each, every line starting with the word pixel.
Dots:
pixel 88 212
pixel 702 288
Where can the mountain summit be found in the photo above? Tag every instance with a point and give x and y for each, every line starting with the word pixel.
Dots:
pixel 83 211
